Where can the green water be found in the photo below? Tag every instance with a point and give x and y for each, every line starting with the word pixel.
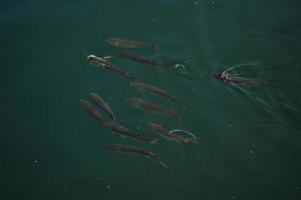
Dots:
pixel 249 136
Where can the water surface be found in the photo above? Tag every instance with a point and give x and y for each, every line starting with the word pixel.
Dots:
pixel 250 136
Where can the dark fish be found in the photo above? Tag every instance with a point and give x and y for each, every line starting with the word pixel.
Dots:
pixel 134 150
pixel 123 131
pixel 154 108
pixel 152 89
pixel 102 104
pixel 89 108
pixel 130 44
pixel 142 59
pixel 169 135
pixel 109 66
pixel 228 78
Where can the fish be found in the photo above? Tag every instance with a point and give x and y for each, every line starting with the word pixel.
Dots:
pixel 170 135
pixel 134 150
pixel 130 44
pixel 103 63
pixel 154 108
pixel 125 132
pixel 228 78
pixel 154 90
pixel 90 109
pixel 142 59
pixel 102 104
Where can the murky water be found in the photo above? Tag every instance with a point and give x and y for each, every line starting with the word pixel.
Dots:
pixel 249 136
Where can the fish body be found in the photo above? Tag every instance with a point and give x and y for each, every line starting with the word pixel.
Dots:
pixel 102 104
pixel 134 150
pixel 163 132
pixel 142 59
pixel 123 131
pixel 130 44
pixel 90 109
pixel 166 134
pixel 154 108
pixel 152 89
pixel 109 66
pixel 228 78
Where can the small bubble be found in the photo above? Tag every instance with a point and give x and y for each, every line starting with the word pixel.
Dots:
pixel 251 152
pixel 154 20
pixel 108 186
pixel 234 197
pixel 180 68
pixel 212 2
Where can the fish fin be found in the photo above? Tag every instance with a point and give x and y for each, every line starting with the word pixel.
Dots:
pixel 115 120
pixel 162 163
pixel 154 141
pixel 170 134
pixel 107 58
pixel 133 81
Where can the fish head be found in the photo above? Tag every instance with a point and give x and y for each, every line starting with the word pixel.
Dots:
pixel 218 75
pixel 91 57
pixel 83 102
pixel 133 101
pixel 110 40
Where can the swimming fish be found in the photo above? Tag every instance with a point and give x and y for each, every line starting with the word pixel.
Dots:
pixel 124 132
pixel 170 134
pixel 154 108
pixel 102 104
pixel 89 108
pixel 228 78
pixel 101 62
pixel 134 150
pixel 152 89
pixel 142 59
pixel 130 44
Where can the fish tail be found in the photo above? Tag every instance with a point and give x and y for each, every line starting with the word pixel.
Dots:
pixel 155 47
pixel 265 83
pixel 130 78
pixel 175 116
pixel 162 163
pixel 179 119
pixel 152 46
pixel 177 101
